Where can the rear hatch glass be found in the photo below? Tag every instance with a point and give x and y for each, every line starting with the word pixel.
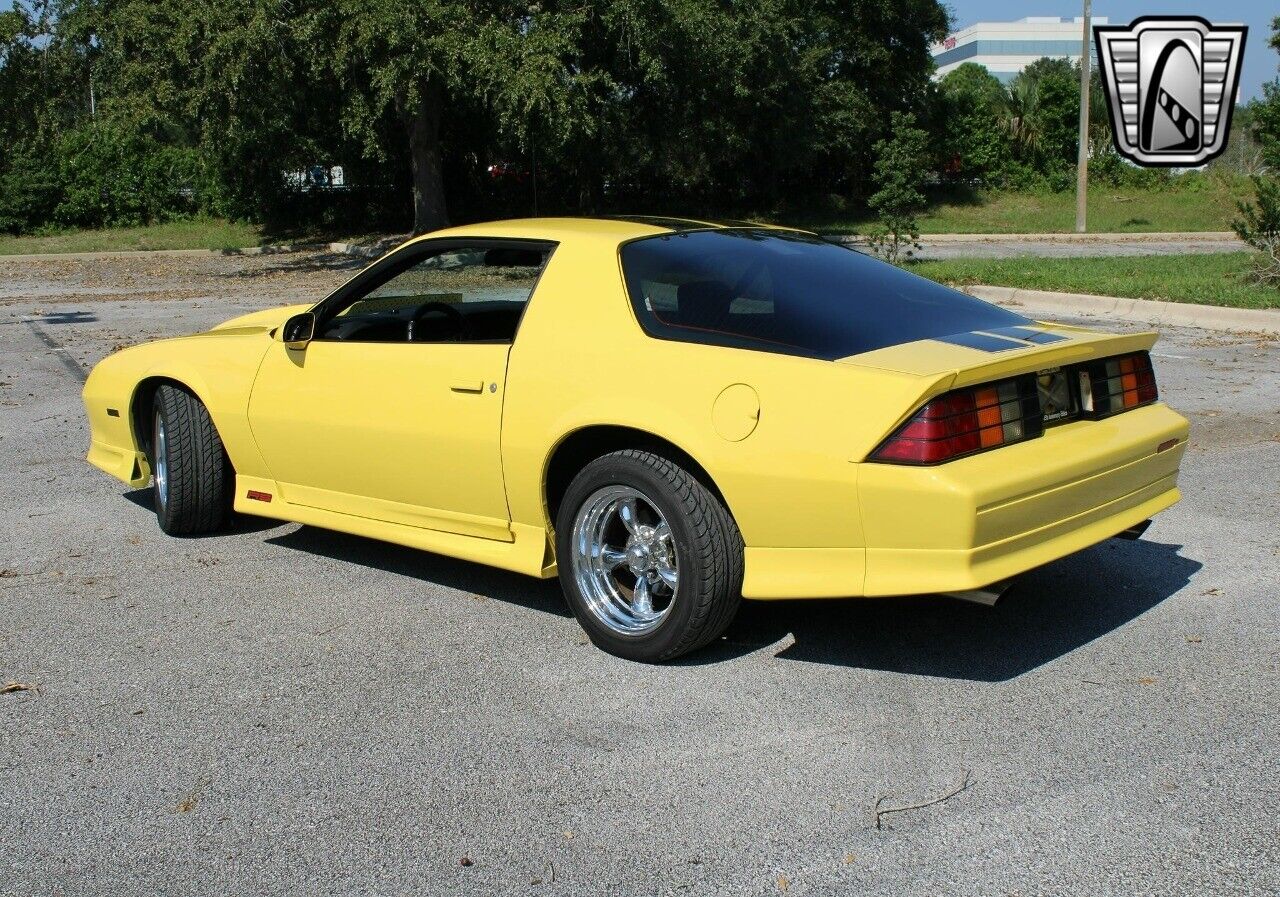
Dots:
pixel 790 293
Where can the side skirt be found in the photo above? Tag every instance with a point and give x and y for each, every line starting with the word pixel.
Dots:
pixel 528 552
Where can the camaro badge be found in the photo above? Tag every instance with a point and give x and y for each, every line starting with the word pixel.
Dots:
pixel 1171 85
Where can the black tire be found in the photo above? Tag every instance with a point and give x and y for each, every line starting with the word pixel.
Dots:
pixel 198 476
pixel 709 555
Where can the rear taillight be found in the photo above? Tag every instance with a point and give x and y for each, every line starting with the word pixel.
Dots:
pixel 967 421
pixel 1117 384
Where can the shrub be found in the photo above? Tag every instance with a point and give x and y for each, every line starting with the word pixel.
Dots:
pixel 1259 226
pixel 110 177
pixel 901 170
pixel 972 108
pixel 1020 177
pixel 28 192
pixel 1110 168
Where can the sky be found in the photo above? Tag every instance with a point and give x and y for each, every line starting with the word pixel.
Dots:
pixel 1260 61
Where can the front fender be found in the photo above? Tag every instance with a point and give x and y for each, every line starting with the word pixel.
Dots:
pixel 218 367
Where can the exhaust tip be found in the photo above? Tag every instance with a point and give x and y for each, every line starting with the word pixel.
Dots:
pixel 1135 531
pixel 987 595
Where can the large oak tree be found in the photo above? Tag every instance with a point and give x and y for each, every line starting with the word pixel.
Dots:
pixel 613 104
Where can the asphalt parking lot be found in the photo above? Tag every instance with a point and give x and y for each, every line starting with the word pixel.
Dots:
pixel 283 710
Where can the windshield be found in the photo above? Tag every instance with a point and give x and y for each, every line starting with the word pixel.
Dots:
pixel 792 293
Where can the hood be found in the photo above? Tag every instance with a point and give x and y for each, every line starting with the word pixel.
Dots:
pixel 260 320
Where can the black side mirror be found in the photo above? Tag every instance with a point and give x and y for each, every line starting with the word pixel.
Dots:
pixel 298 330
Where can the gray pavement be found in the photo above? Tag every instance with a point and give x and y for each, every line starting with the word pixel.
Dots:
pixel 283 710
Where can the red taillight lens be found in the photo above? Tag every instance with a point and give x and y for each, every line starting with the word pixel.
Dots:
pixel 1117 384
pixel 983 417
pixel 966 421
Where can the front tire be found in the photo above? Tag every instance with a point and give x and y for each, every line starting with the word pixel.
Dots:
pixel 193 478
pixel 650 560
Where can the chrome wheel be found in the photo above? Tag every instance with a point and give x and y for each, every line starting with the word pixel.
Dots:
pixel 624 560
pixel 162 462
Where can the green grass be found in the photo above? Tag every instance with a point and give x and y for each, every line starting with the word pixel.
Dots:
pixel 194 233
pixel 1111 210
pixel 1209 279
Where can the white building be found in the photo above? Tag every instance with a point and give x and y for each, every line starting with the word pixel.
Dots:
pixel 1006 48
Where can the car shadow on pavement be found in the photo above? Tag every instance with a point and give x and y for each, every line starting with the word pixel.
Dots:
pixel 72 316
pixel 1047 613
pixel 240 523
pixel 476 579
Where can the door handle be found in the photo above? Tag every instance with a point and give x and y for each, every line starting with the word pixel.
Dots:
pixel 467 386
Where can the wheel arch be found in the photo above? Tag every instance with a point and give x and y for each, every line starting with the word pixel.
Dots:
pixel 142 406
pixel 580 447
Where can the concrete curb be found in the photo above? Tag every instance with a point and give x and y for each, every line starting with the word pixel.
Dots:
pixel 1043 303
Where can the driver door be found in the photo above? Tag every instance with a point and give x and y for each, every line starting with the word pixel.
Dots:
pixel 393 410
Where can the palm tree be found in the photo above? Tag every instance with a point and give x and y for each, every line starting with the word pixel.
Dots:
pixel 1023 99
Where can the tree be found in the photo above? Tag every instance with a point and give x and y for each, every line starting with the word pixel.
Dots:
pixel 426 62
pixel 1259 226
pixel 1259 221
pixel 128 110
pixel 1265 112
pixel 738 104
pixel 974 112
pixel 42 95
pixel 1045 109
pixel 901 169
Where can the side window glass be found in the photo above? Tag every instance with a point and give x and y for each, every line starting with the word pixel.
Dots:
pixel 737 298
pixel 463 294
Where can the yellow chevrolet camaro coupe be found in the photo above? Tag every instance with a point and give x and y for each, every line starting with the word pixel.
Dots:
pixel 670 415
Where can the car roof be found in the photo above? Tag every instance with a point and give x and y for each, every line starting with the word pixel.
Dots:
pixel 616 228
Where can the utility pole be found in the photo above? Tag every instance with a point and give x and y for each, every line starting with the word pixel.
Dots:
pixel 1082 159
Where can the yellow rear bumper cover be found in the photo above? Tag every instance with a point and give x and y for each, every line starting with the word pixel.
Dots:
pixel 900 571
pixel 988 517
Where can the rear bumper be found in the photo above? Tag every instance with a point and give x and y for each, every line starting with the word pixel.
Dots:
pixel 981 519
pixel 902 571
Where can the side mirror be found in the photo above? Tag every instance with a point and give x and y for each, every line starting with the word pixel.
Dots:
pixel 298 330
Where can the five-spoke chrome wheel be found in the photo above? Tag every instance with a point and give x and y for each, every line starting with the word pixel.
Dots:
pixel 624 560
pixel 650 560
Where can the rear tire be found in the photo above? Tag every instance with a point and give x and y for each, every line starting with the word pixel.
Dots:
pixel 193 477
pixel 634 516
